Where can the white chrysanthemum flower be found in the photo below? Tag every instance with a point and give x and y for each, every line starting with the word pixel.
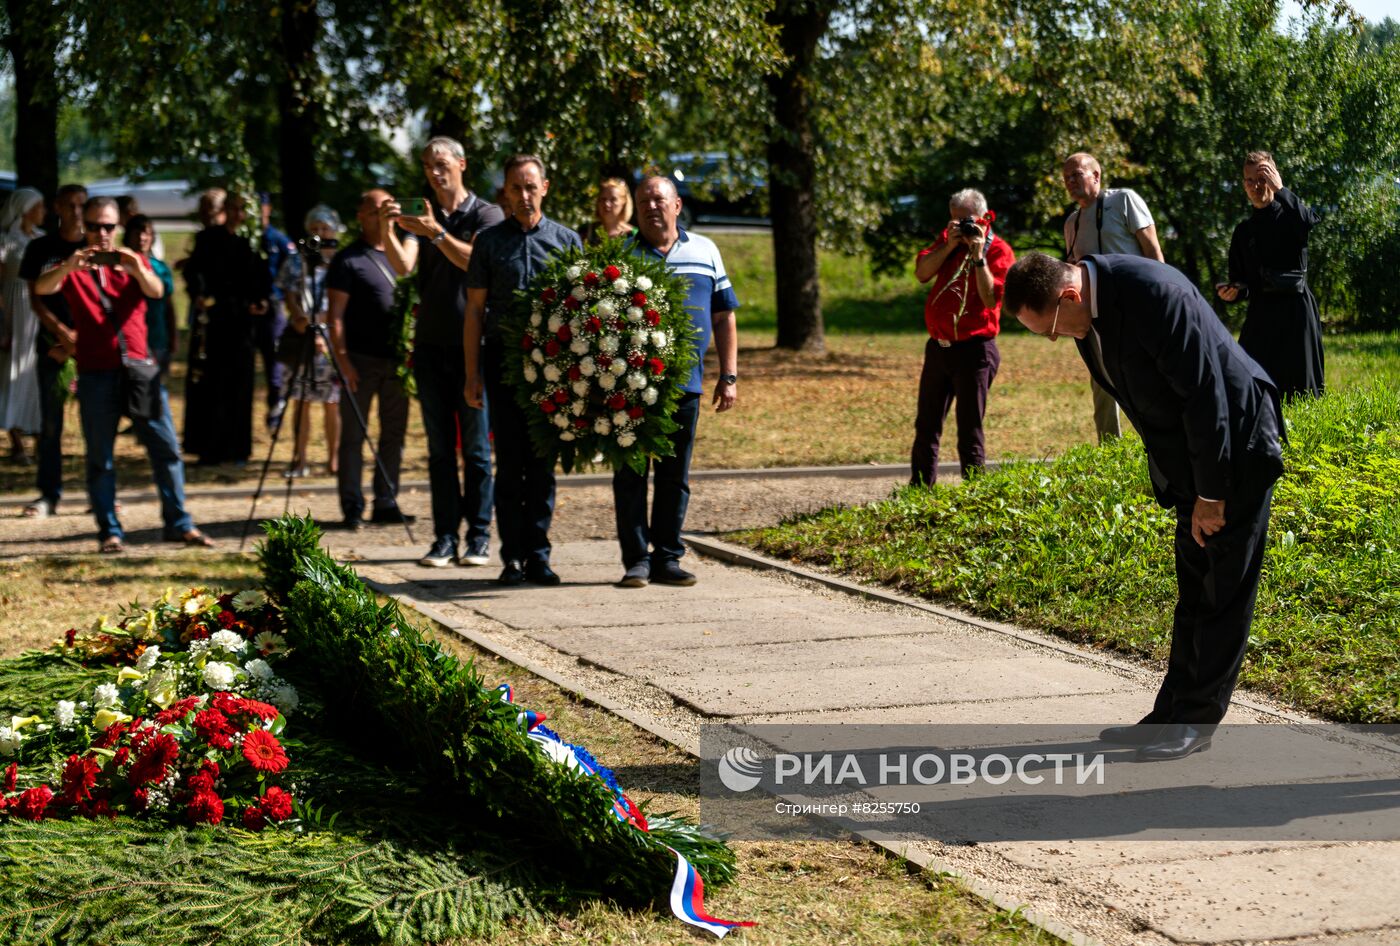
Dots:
pixel 578 407
pixel 259 669
pixel 219 676
pixel 620 418
pixel 658 339
pixel 635 381
pixel 606 381
pixel 197 603
pixel 586 367
pixel 634 314
pixel 580 388
pixel 621 286
pixel 536 320
pixel 560 420
pixel 9 741
pixel 650 395
pixel 626 438
pixel 639 340
pixel 64 712
pixel 579 292
pixel 285 698
pixel 555 321
pixel 602 426
pixel 551 373
pixel 609 343
pixel 105 695
pixel 644 283
pixel 575 273
pixel 618 368
pixel 228 641
pixel 606 309
pixel 249 600
pixel 579 346
pixel 537 356
pixel 148 658
pixel 566 436
pixel 531 374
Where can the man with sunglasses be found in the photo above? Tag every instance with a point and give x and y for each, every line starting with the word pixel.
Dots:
pixel 106 288
pixel 1209 418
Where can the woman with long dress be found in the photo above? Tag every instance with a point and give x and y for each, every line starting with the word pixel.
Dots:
pixel 1269 267
pixel 19 326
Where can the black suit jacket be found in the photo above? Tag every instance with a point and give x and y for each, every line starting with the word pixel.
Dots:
pixel 1208 414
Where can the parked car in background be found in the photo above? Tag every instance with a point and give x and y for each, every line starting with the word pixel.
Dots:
pixel 713 191
pixel 165 201
pixel 7 185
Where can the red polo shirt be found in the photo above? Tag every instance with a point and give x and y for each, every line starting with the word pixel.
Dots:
pixel 97 335
pixel 953 310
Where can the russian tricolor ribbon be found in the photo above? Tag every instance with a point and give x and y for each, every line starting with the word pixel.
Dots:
pixel 688 900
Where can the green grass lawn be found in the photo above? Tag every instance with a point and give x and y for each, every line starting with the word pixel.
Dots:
pixel 1079 547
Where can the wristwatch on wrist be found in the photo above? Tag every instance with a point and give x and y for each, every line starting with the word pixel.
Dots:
pixel 728 378
pixel 979 263
pixel 442 235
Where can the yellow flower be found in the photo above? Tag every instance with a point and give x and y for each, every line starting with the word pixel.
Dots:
pixel 128 674
pixel 19 722
pixel 104 718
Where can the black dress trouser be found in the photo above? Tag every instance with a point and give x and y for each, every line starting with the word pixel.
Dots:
pixel 1216 588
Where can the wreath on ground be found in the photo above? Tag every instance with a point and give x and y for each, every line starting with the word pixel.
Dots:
pixel 605 349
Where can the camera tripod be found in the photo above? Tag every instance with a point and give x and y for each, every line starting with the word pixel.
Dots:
pixel 305 368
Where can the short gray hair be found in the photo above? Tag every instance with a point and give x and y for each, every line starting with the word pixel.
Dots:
pixel 451 146
pixel 970 197
pixel 323 214
pixel 663 178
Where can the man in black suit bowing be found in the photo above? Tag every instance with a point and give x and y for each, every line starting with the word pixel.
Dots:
pixel 1210 421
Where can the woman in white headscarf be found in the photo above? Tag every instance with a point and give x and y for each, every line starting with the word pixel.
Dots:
pixel 19 326
pixel 313 380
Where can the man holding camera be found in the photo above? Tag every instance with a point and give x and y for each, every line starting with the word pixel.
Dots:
pixel 1113 220
pixel 967 265
pixel 106 289
pixel 439 248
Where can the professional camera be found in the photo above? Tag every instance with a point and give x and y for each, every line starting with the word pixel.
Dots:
pixel 967 226
pixel 315 244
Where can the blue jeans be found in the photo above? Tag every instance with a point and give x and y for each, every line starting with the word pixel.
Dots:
pixel 671 497
pixel 100 407
pixel 442 380
pixel 50 430
pixel 524 480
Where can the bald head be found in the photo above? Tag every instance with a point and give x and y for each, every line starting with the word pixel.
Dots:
pixel 367 213
pixel 1083 178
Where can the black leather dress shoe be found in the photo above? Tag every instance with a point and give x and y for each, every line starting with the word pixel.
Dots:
pixel 392 515
pixel 539 573
pixel 512 574
pixel 1177 741
pixel 1140 734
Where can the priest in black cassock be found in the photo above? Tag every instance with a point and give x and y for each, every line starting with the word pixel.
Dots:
pixel 229 286
pixel 1269 267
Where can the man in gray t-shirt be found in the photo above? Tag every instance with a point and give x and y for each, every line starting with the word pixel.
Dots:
pixel 1107 221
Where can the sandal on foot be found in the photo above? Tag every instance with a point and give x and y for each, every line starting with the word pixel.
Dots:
pixel 112 545
pixel 194 539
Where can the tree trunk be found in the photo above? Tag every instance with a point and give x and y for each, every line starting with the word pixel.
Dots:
pixel 32 41
pixel 792 177
pixel 297 112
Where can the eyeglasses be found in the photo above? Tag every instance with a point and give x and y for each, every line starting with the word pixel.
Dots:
pixel 1056 320
pixel 91 227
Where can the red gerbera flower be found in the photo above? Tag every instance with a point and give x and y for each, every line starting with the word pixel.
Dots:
pixel 214 728
pixel 155 757
pixel 177 711
pixel 253 818
pixel 121 757
pixel 11 776
pixel 263 751
pixel 263 711
pixel 31 805
pixel 206 808
pixel 79 779
pixel 226 619
pixel 612 272
pixel 277 804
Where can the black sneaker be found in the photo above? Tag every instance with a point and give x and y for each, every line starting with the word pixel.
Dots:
pixel 477 553
pixel 393 515
pixel 442 553
pixel 636 576
pixel 671 573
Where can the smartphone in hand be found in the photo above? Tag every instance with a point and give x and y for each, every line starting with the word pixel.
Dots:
pixel 105 258
pixel 413 207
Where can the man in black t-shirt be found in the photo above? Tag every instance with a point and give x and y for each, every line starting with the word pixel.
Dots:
pixel 440 247
pixel 57 341
pixel 360 289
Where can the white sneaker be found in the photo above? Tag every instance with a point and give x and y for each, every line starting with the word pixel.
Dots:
pixel 480 555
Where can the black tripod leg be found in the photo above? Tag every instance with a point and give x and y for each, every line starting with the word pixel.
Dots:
pixel 297 373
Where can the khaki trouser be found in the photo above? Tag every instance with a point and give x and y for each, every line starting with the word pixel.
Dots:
pixel 1106 420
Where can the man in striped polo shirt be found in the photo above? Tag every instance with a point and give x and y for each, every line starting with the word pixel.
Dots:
pixel 654 554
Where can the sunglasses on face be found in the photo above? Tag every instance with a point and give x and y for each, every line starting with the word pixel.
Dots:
pixel 91 227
